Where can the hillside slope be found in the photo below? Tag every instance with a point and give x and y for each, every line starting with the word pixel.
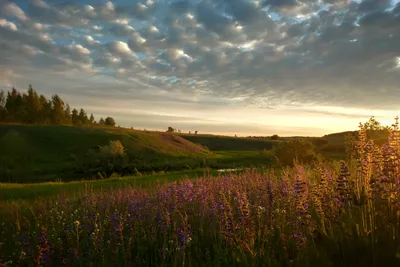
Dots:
pixel 40 152
pixel 226 143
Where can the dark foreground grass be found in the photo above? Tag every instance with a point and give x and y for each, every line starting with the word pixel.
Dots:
pixel 250 219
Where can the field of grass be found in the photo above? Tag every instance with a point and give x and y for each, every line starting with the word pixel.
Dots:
pixel 40 153
pixel 30 192
pixel 345 214
pixel 33 153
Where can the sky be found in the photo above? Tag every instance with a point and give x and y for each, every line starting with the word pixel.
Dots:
pixel 245 67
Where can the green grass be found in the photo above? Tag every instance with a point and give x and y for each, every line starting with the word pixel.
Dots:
pixel 42 153
pixel 30 192
pixel 46 152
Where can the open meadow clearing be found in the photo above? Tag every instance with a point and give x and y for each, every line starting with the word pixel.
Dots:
pixel 199 133
pixel 343 214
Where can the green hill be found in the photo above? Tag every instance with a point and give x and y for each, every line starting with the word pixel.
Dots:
pixel 334 145
pixel 227 143
pixel 31 152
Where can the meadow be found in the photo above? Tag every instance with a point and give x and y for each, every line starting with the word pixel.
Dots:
pixel 320 214
pixel 48 153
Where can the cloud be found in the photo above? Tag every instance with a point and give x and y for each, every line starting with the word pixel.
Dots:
pixel 119 48
pixel 12 10
pixel 251 53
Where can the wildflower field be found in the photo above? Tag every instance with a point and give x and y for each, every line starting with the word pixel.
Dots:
pixel 344 214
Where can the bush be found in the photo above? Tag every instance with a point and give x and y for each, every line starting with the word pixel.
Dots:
pixel 275 137
pixel 295 150
pixel 108 159
pixel 112 150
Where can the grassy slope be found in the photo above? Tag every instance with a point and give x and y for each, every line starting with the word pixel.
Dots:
pixel 43 153
pixel 40 151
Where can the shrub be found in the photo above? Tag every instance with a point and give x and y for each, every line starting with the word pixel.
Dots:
pixel 106 160
pixel 275 137
pixel 299 150
pixel 112 150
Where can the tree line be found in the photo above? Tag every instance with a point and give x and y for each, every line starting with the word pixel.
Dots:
pixel 32 108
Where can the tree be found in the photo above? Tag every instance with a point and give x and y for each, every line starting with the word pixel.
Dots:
pixel 195 132
pixel 45 113
pixel 3 113
pixel 373 125
pixel 75 117
pixel 91 120
pixel 102 122
pixel 33 106
pixel 57 110
pixel 67 115
pixel 170 129
pixel 109 121
pixel 14 106
pixel 296 149
pixel 83 117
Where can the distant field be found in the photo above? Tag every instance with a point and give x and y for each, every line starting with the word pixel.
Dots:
pixel 224 143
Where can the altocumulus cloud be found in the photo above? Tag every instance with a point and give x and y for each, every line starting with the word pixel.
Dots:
pixel 270 59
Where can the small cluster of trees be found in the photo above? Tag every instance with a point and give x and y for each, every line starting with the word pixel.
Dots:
pixel 173 130
pixel 32 108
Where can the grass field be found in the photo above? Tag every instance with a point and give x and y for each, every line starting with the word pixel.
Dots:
pixel 30 192
pixel 327 214
pixel 32 153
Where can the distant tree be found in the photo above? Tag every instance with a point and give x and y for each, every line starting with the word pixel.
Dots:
pixel 83 118
pixel 91 120
pixel 109 121
pixel 195 132
pixel 58 110
pixel 32 106
pixel 75 117
pixel 14 106
pixel 170 129
pixel 275 137
pixel 3 113
pixel 45 112
pixel 190 132
pixel 68 115
pixel 101 121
